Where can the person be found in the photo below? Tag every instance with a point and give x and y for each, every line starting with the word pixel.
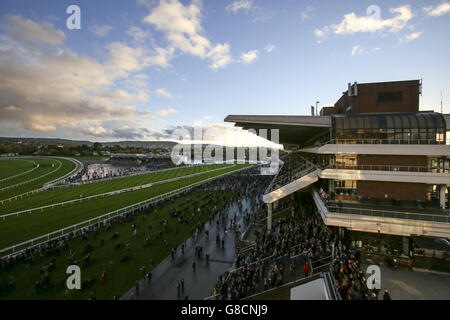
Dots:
pixel 137 288
pixel 306 269
pixel 386 295
pixel 193 266
pixel 149 276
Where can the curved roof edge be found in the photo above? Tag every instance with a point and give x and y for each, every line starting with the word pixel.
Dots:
pixel 286 120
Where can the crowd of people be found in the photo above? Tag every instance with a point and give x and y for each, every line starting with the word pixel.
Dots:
pixel 298 237
pixel 269 262
pixel 295 241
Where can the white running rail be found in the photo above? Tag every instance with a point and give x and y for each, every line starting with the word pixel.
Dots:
pixel 61 232
pixel 110 193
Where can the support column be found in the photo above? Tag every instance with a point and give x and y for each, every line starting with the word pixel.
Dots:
pixel 269 217
pixel 442 190
pixel 405 246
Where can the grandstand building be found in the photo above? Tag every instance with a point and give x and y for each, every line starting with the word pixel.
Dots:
pixel 373 163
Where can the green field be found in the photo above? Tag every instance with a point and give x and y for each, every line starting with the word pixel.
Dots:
pixel 26 226
pixel 120 276
pixel 39 177
pixel 69 193
pixel 18 281
pixel 12 167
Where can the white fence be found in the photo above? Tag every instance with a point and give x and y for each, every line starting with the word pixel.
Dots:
pixel 110 193
pixel 42 188
pixel 22 173
pixel 61 232
pixel 34 179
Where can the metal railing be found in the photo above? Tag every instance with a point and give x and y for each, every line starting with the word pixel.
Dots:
pixel 389 141
pixel 297 276
pixel 385 167
pixel 285 177
pixel 105 217
pixel 390 214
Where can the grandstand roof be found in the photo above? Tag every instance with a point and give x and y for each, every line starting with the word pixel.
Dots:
pixel 292 128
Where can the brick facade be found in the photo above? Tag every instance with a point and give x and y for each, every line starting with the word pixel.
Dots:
pixel 393 190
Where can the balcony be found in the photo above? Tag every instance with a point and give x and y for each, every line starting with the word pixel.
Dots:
pixel 296 173
pixel 434 215
pixel 394 220
pixel 390 141
pixel 387 167
pixel 387 173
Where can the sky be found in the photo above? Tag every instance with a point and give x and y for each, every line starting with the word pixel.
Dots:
pixel 139 70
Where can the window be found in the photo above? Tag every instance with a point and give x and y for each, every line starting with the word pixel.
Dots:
pixel 391 96
pixel 345 187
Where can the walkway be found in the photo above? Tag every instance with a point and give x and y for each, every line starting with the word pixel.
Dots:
pixel 200 284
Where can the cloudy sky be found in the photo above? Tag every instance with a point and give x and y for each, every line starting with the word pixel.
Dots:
pixel 140 69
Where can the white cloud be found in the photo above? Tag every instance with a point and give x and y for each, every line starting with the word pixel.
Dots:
pixel 261 14
pixel 123 95
pixel 305 14
pixel 164 92
pixel 29 32
pixel 102 30
pixel 183 31
pixel 249 57
pixel 269 47
pixel 353 24
pixel 220 56
pixel 235 6
pixel 138 34
pixel 218 134
pixel 438 10
pixel 357 50
pixel 410 37
pixel 59 88
pixel 166 112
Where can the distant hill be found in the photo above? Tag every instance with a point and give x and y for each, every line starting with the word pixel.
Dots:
pixel 151 144
pixel 142 144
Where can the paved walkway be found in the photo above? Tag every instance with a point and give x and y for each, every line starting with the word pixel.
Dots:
pixel 414 285
pixel 200 284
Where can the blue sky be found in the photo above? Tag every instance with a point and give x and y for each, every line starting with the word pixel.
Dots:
pixel 138 68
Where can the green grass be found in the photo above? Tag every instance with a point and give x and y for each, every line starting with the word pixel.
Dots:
pixel 66 167
pixel 69 193
pixel 27 226
pixel 122 275
pixel 12 167
pixel 45 166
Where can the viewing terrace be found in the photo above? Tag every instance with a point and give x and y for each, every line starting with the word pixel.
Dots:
pixel 388 219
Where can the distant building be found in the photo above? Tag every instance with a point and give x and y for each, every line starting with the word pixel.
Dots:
pixel 6 155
